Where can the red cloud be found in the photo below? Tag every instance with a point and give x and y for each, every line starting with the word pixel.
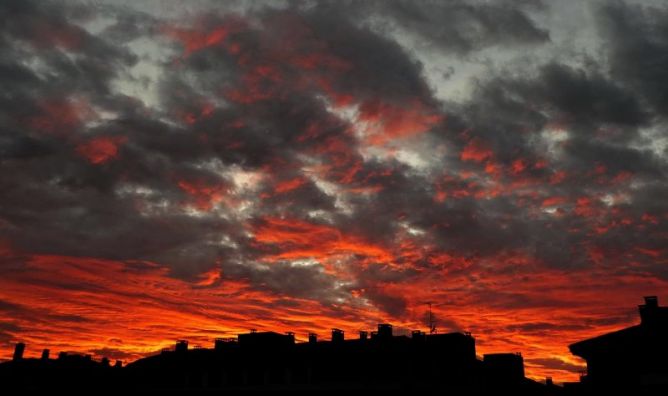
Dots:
pixel 204 195
pixel 317 60
pixel 101 149
pixel 259 82
pixel 553 201
pixel 47 34
pixel 391 122
pixel 654 253
pixel 558 177
pixel 289 185
pixel 296 239
pixel 518 166
pixel 60 116
pixel 194 40
pixel 475 151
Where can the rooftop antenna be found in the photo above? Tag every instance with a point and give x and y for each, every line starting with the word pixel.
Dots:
pixel 431 321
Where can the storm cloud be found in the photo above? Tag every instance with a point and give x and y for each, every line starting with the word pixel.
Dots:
pixel 334 163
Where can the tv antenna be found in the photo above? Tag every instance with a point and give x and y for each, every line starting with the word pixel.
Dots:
pixel 431 321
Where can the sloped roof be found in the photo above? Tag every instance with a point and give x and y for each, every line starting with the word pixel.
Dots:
pixel 632 338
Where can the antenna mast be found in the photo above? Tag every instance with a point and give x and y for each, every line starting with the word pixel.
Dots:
pixel 431 322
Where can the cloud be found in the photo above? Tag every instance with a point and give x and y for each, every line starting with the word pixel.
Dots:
pixel 636 39
pixel 556 364
pixel 464 27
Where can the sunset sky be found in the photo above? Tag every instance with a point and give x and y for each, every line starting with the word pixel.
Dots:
pixel 196 170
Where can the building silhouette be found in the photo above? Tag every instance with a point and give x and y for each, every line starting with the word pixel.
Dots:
pixel 66 372
pixel 504 368
pixel 18 352
pixel 634 358
pixel 274 361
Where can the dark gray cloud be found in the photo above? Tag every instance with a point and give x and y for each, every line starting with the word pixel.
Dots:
pixel 452 26
pixel 636 37
pixel 267 115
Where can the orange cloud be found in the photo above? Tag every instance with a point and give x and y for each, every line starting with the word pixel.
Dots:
pixel 538 316
pixel 136 308
pixel 296 239
pixel 390 122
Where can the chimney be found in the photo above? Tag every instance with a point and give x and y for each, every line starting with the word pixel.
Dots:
pixel 18 351
pixel 337 335
pixel 418 335
pixel 363 335
pixel 181 346
pixel 312 338
pixel 105 362
pixel 649 312
pixel 384 331
pixel 651 301
pixel 118 364
pixel 45 354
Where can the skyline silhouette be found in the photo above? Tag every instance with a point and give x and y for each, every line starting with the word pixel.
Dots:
pixel 269 360
pixel 632 359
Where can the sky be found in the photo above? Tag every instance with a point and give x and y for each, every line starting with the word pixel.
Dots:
pixel 198 170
